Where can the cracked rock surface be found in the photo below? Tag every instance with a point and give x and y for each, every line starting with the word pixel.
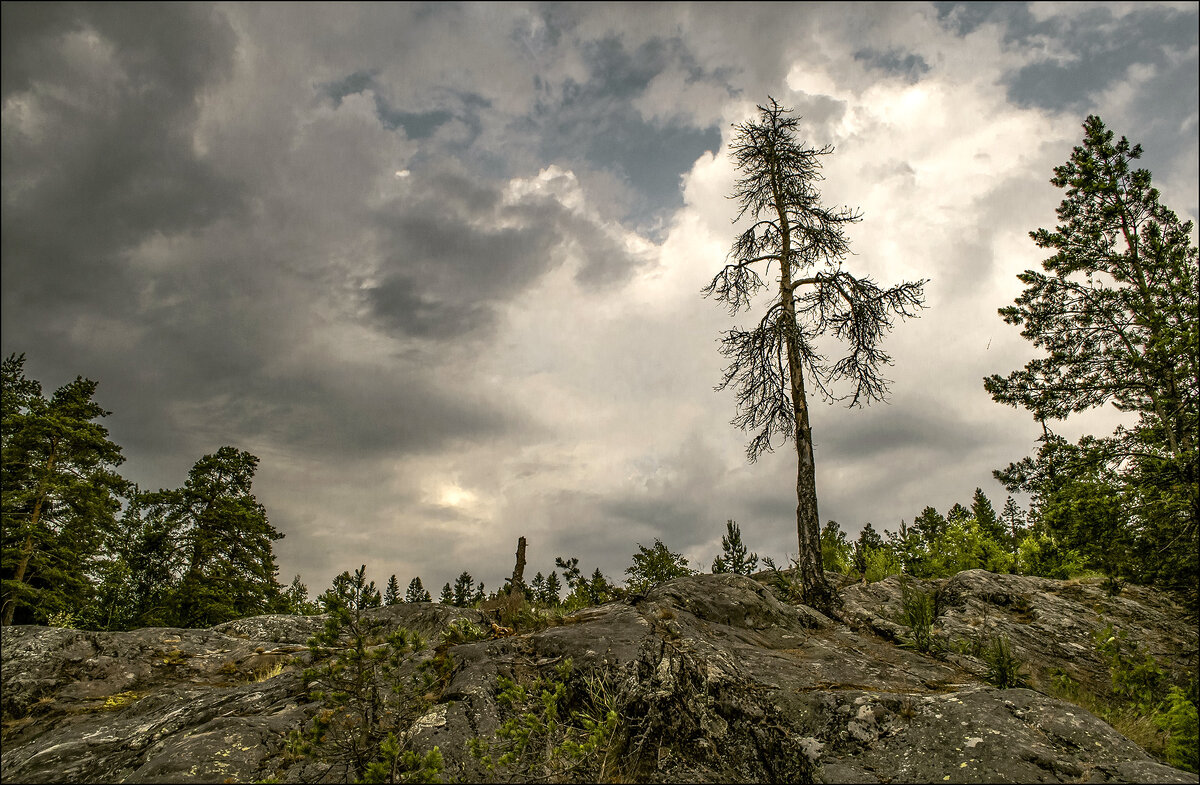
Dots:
pixel 719 681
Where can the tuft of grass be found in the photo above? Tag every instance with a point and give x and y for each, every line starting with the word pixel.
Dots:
pixel 1005 670
pixel 918 612
pixel 462 631
pixel 267 671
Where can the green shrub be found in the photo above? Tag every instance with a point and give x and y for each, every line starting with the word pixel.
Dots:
pixel 1137 679
pixel 784 585
pixel 963 545
pixel 1180 723
pixel 652 566
pixel 882 562
pixel 65 619
pixel 371 693
pixel 1005 669
pixel 559 727
pixel 462 631
pixel 1042 555
pixel 836 553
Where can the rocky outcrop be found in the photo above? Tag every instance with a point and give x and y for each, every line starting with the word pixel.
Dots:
pixel 1050 625
pixel 717 681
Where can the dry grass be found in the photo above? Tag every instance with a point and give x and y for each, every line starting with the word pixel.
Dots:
pixel 1138 728
pixel 265 672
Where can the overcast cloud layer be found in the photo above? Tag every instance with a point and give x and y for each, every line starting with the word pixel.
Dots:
pixel 439 266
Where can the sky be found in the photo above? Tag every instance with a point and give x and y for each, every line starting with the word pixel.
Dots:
pixel 439 266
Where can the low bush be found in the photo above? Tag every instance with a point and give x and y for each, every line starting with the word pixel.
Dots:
pixel 1005 670
pixel 558 727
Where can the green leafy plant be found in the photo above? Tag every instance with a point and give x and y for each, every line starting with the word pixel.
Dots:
pixel 397 764
pixel 66 619
pixel 652 566
pixel 559 726
pixel 462 631
pixel 1141 703
pixel 784 583
pixel 1179 720
pixel 880 563
pixel 836 553
pixel 1137 679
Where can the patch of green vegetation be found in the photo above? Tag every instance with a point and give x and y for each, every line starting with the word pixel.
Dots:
pixel 371 694
pixel 1142 704
pixel 119 700
pixel 918 612
pixel 1005 669
pixel 558 727
pixel 462 631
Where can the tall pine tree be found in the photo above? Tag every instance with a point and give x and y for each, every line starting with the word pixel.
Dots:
pixel 61 494
pixel 226 537
pixel 1114 311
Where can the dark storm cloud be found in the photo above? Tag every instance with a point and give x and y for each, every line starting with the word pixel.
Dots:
pixel 458 250
pixel 97 157
pixel 596 120
pixel 189 342
pixel 105 156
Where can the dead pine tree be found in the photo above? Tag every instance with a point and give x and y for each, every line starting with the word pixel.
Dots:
pixel 769 364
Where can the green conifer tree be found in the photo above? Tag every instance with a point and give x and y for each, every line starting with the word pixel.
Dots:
pixel 985 515
pixel 391 594
pixel 416 592
pixel 1114 309
pixel 734 557
pixel 60 494
pixel 227 539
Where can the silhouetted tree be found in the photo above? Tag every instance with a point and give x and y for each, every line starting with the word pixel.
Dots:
pixel 391 594
pixel 813 297
pixel 228 542
pixel 416 592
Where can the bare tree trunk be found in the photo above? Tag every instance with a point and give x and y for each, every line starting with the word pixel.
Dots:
pixel 817 591
pixel 518 576
pixel 27 548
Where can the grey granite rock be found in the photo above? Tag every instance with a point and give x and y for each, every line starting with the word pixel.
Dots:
pixel 718 681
